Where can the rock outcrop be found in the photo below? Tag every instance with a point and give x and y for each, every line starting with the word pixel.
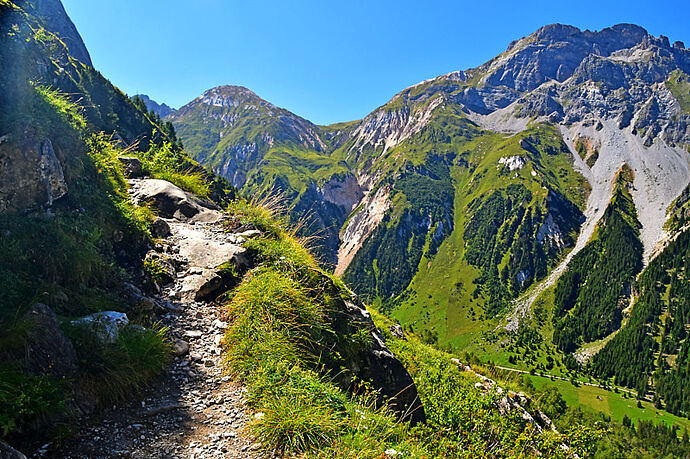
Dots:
pixel 47 349
pixel 105 325
pixel 171 201
pixel 373 362
pixel 31 175
pixel 7 452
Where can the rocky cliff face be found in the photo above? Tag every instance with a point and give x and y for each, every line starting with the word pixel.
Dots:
pixel 55 20
pixel 32 175
pixel 615 87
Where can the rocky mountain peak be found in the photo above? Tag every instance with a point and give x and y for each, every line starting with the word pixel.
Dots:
pixel 228 95
pixel 602 42
pixel 555 51
pixel 556 32
pixel 161 110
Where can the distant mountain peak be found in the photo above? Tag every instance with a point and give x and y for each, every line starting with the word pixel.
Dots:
pixel 161 110
pixel 232 95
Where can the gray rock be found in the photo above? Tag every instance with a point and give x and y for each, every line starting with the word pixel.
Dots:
pixel 105 325
pixel 249 234
pixel 31 174
pixel 161 110
pixel 397 331
pixel 48 350
pixel 7 452
pixel 202 287
pixel 52 175
pixel 165 269
pixel 160 228
pixel 132 165
pixel 172 202
pixel 61 297
pixel 372 362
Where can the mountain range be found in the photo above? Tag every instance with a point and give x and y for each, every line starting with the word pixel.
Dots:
pixel 461 202
pixel 531 215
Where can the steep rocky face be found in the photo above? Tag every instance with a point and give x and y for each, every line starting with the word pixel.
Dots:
pixel 30 187
pixel 55 20
pixel 554 52
pixel 363 221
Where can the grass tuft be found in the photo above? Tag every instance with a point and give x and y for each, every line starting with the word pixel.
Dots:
pixel 112 372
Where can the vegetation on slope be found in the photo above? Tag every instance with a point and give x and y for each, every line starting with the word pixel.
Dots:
pixel 68 254
pixel 651 351
pixel 499 242
pixel 277 345
pixel 679 85
pixel 588 295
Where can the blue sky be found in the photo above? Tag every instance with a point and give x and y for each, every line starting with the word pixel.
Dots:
pixel 327 61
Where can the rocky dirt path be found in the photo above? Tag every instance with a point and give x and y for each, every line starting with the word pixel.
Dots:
pixel 193 410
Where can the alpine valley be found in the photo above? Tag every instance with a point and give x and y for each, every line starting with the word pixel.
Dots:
pixel 495 263
pixel 542 193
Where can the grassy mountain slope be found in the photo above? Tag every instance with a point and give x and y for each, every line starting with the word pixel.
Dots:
pixel 490 250
pixel 268 150
pixel 68 229
pixel 304 413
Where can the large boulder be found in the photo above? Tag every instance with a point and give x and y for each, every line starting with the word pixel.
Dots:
pixel 371 360
pixel 7 452
pixel 132 165
pixel 31 174
pixel 205 285
pixel 172 202
pixel 47 349
pixel 104 325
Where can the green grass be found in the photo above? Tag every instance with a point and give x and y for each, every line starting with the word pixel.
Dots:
pixel 114 372
pixel 281 343
pixel 165 162
pixel 441 295
pixel 275 346
pixel 609 402
pixel 25 398
pixel 679 85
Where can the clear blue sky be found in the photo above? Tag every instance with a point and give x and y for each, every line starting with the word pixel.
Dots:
pixel 327 61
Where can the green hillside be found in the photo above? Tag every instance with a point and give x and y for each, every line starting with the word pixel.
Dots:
pixel 475 272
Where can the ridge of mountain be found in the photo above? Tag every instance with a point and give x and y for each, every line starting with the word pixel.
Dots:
pixel 56 20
